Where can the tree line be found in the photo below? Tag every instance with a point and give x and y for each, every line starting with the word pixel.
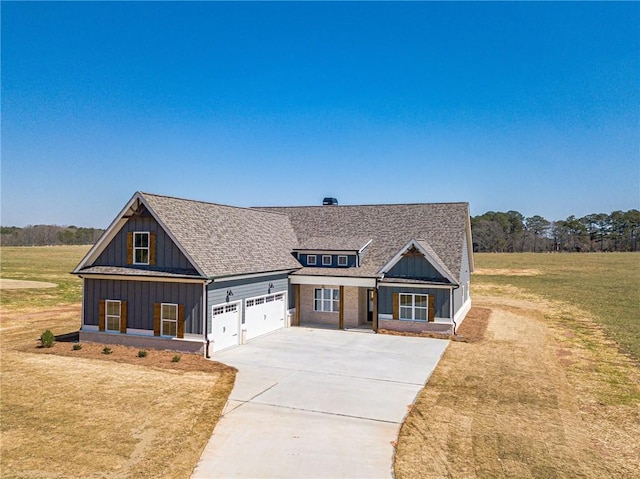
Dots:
pixel 492 232
pixel 48 235
pixel 512 232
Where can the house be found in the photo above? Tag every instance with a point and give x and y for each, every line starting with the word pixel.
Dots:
pixel 186 275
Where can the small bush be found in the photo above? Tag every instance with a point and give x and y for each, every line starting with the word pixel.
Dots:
pixel 175 359
pixel 47 339
pixel 77 347
pixel 142 353
pixel 107 350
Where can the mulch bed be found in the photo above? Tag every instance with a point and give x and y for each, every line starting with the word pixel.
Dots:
pixel 474 326
pixel 471 330
pixel 129 355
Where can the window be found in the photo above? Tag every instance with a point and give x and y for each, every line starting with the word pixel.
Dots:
pixel 342 260
pixel 112 315
pixel 140 248
pixel 169 319
pixel 311 260
pixel 326 260
pixel 326 300
pixel 414 306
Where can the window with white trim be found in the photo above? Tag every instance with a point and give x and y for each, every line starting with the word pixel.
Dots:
pixel 342 260
pixel 169 319
pixel 414 306
pixel 326 260
pixel 112 315
pixel 326 300
pixel 140 248
pixel 311 260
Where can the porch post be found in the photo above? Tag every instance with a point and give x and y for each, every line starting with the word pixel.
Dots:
pixel 341 317
pixel 375 309
pixel 296 292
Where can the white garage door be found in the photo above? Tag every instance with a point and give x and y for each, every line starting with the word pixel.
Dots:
pixel 264 314
pixel 225 329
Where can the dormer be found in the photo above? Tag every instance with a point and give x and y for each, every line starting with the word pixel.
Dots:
pixel 330 252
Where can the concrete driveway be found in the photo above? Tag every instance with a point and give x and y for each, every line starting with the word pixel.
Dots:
pixel 317 403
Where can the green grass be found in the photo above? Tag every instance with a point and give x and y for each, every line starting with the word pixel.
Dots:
pixel 41 263
pixel 605 285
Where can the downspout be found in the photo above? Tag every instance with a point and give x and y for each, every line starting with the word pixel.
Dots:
pixel 453 315
pixel 84 310
pixel 205 312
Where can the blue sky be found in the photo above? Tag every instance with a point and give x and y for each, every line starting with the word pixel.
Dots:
pixel 533 107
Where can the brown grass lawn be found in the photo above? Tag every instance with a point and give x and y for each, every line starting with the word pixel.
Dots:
pixel 538 391
pixel 70 414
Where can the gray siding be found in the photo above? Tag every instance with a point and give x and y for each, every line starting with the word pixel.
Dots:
pixel 464 267
pixel 465 276
pixel 140 297
pixel 414 267
pixel 243 289
pixel 457 300
pixel 385 299
pixel 168 255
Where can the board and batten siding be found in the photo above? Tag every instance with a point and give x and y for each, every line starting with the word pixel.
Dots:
pixel 242 289
pixel 414 267
pixel 168 255
pixel 141 297
pixel 385 299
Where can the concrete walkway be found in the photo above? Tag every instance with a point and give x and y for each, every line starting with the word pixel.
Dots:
pixel 315 403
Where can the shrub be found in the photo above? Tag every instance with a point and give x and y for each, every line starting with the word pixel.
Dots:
pixel 175 359
pixel 77 347
pixel 47 339
pixel 142 353
pixel 107 350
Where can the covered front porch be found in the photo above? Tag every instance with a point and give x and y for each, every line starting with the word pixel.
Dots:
pixel 335 302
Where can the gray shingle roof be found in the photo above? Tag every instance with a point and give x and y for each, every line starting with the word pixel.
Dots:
pixel 333 243
pixel 441 226
pixel 427 247
pixel 226 240
pixel 154 272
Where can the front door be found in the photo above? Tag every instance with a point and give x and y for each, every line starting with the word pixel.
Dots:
pixel 369 305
